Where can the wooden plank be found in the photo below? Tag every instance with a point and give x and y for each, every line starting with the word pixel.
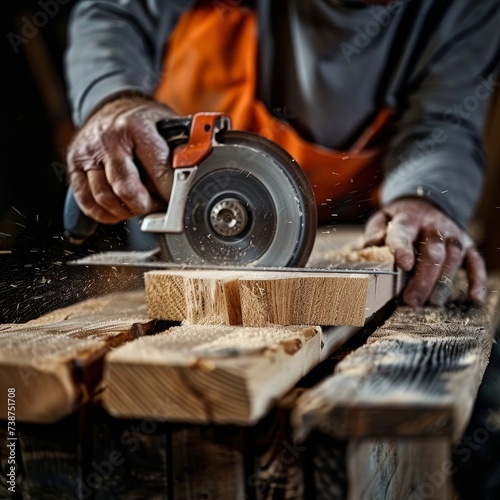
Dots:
pixel 55 362
pixel 128 459
pixel 314 298
pixel 209 374
pixel 196 297
pixel 90 455
pixel 208 462
pixel 417 375
pixel 261 298
pixel 51 456
pixel 278 461
pixel 394 469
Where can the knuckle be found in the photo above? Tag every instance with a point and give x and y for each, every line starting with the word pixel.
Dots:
pixel 125 190
pixel 436 251
pixel 104 198
pixel 455 252
pixel 120 124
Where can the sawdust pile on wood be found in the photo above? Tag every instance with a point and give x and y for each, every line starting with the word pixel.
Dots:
pixel 354 252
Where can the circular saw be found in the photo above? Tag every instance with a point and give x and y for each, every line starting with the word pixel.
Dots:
pixel 237 198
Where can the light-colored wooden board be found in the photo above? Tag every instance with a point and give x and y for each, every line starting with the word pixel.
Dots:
pixel 418 375
pixel 313 298
pixel 195 296
pixel 208 374
pixel 54 362
pixel 262 298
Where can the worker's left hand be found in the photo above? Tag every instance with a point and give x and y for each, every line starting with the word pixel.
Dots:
pixel 427 241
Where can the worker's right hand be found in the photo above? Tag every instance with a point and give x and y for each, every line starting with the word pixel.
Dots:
pixel 118 162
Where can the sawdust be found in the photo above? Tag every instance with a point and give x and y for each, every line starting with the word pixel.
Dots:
pixel 353 252
pixel 217 341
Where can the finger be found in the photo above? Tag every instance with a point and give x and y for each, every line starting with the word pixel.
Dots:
pixel 476 273
pixel 428 269
pixel 103 195
pixel 123 177
pixel 375 229
pixel 453 260
pixel 153 153
pixel 402 231
pixel 86 201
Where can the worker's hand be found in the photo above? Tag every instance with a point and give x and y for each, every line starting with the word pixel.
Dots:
pixel 428 242
pixel 118 162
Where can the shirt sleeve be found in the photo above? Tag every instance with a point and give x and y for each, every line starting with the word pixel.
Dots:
pixel 114 47
pixel 437 151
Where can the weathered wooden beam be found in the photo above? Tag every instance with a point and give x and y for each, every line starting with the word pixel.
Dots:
pixel 55 362
pixel 208 462
pixel 417 375
pixel 399 468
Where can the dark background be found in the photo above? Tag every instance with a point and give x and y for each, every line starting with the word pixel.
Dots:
pixel 35 130
pixel 35 124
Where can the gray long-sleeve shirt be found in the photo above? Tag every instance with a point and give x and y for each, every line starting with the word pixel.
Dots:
pixel 328 66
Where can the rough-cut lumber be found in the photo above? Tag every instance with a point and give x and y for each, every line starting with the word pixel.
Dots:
pixel 205 374
pixel 55 362
pixel 418 375
pixel 313 298
pixel 199 297
pixel 262 298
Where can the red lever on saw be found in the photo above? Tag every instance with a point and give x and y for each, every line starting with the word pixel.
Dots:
pixel 186 157
pixel 204 126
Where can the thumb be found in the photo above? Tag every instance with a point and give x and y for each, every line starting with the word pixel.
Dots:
pixel 375 229
pixel 153 153
pixel 401 233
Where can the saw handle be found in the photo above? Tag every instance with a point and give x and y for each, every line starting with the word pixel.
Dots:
pixel 78 227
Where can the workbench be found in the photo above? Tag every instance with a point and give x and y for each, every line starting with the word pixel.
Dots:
pixel 376 418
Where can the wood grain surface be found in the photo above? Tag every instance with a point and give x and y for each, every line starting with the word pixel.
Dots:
pixel 55 361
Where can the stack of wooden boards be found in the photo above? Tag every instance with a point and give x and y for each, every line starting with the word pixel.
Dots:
pixel 237 342
pixel 206 349
pixel 246 338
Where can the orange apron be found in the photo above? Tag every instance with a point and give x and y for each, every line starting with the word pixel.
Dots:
pixel 211 65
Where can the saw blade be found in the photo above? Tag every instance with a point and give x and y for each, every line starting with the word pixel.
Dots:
pixel 250 204
pixel 148 260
